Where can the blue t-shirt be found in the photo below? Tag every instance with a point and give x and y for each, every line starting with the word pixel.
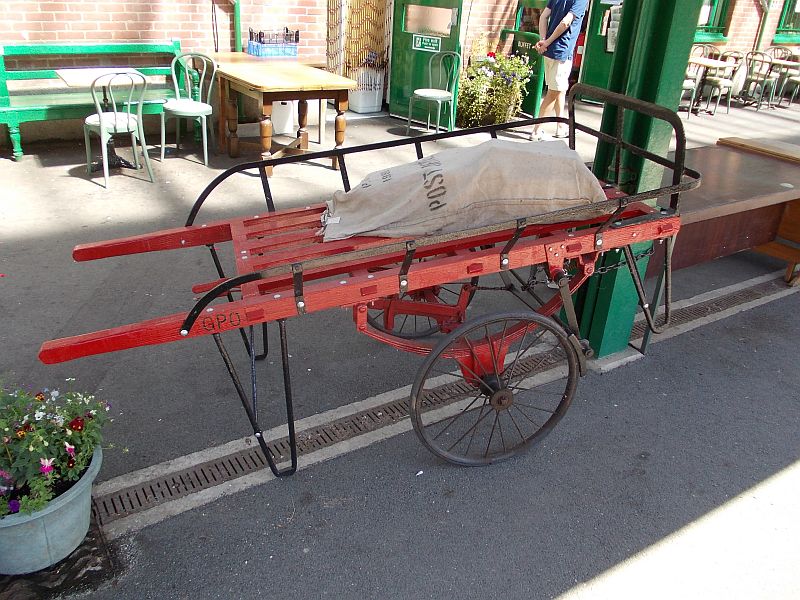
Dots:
pixel 562 47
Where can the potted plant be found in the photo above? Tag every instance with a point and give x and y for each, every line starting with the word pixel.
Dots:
pixel 491 90
pixel 49 456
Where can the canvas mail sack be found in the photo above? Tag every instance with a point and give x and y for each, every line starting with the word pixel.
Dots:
pixel 463 188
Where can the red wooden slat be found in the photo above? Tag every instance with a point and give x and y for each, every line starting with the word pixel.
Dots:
pixel 168 239
pixel 278 221
pixel 280 242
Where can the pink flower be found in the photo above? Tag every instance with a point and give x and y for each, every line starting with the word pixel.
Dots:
pixel 47 465
pixel 69 448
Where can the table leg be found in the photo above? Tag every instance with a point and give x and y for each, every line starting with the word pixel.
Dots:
pixel 302 119
pixel 115 161
pixel 232 117
pixel 698 100
pixel 222 124
pixel 323 105
pixel 265 131
pixel 339 124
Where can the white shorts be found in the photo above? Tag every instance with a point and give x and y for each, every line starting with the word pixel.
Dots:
pixel 556 74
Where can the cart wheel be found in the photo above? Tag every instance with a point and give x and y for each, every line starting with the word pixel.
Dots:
pixel 492 387
pixel 418 326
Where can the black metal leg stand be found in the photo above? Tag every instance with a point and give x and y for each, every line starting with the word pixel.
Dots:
pixel 115 161
pixel 663 286
pixel 251 408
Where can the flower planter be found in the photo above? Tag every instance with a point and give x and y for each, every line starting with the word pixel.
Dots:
pixel 30 542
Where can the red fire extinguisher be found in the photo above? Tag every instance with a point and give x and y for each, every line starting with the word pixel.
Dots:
pixel 579 46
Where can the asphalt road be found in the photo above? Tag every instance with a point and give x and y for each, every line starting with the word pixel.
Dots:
pixel 646 451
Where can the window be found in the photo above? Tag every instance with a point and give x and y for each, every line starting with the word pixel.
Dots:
pixel 789 25
pixel 711 25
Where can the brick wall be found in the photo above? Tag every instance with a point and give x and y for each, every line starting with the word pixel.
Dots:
pixel 190 21
pixel 743 23
pixel 489 17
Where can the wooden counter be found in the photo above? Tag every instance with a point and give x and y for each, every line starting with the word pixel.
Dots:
pixel 741 203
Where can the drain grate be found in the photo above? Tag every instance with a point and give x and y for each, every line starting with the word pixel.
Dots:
pixel 144 496
pixel 700 310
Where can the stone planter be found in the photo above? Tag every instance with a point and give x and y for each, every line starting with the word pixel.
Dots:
pixel 30 542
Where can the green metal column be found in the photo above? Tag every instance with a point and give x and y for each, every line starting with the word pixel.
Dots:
pixel 237 26
pixel 649 63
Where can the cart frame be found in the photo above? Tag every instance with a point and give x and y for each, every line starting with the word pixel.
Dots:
pixel 366 272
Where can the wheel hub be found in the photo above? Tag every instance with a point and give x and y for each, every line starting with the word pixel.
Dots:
pixel 502 399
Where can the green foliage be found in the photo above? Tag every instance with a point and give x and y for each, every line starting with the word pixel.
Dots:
pixel 46 441
pixel 491 90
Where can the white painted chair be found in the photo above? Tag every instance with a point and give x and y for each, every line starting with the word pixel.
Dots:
pixel 443 71
pixel 118 104
pixel 190 71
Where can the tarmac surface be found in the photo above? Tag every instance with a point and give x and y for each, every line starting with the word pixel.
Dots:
pixel 672 476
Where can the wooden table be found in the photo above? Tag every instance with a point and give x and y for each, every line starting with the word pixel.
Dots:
pixel 745 201
pixel 272 80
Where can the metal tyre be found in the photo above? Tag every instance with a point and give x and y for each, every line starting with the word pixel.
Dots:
pixel 493 387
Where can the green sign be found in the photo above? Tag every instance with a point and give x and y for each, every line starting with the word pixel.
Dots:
pixel 426 43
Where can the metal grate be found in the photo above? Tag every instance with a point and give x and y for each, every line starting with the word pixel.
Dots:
pixel 716 305
pixel 144 496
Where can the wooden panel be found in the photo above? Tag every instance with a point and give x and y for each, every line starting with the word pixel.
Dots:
pixel 765 146
pixel 703 241
pixel 782 251
pixel 790 223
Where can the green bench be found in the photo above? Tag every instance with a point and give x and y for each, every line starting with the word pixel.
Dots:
pixel 35 96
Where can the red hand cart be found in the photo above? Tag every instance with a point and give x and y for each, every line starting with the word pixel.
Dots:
pixel 488 387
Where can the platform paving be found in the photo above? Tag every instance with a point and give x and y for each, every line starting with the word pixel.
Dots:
pixel 671 476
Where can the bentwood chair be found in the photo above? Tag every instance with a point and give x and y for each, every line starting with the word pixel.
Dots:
pixel 691 80
pixel 443 71
pixel 794 81
pixel 721 80
pixel 118 104
pixel 759 80
pixel 785 74
pixel 690 84
pixel 191 72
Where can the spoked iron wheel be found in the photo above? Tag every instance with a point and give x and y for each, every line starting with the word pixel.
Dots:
pixel 493 387
pixel 410 326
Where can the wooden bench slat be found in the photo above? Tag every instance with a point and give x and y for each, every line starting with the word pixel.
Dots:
pixel 76 99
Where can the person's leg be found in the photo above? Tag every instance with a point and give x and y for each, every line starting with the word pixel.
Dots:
pixel 561 129
pixel 550 96
pixel 560 85
pixel 550 100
